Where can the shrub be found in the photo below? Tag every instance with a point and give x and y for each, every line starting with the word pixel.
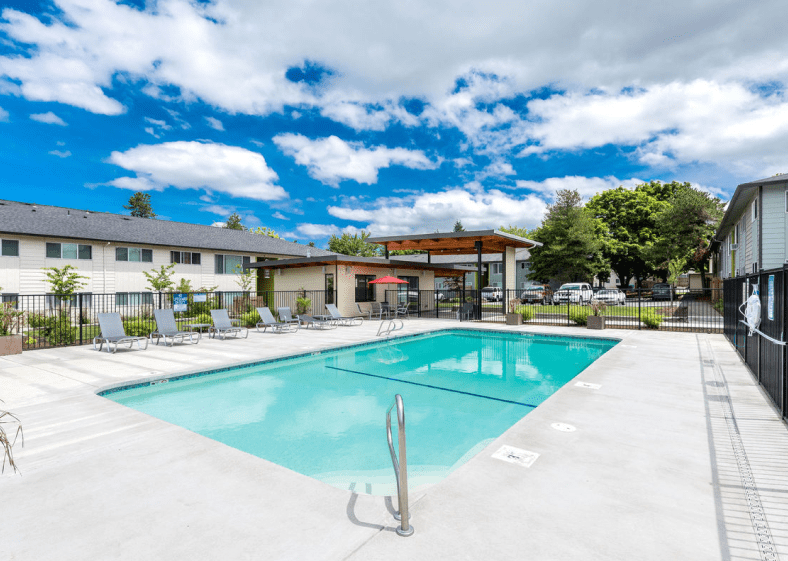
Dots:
pixel 136 327
pixel 526 311
pixel 36 320
pixel 204 317
pixel 302 304
pixel 579 315
pixel 61 333
pixel 651 319
pixel 250 319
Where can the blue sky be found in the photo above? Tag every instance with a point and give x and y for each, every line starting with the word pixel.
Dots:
pixel 319 118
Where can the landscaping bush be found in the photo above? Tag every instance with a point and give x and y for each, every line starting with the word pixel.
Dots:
pixel 526 311
pixel 651 319
pixel 61 333
pixel 579 315
pixel 204 317
pixel 136 327
pixel 250 319
pixel 36 320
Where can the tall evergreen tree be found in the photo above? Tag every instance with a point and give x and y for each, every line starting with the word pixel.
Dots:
pixel 139 205
pixel 458 227
pixel 572 249
pixel 234 222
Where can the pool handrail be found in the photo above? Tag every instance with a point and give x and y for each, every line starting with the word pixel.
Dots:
pixel 387 326
pixel 400 467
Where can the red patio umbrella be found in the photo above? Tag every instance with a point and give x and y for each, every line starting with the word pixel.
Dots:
pixel 388 280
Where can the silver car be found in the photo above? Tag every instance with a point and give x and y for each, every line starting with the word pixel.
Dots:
pixel 611 297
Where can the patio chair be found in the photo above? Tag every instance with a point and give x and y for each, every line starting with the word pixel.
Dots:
pixel 112 332
pixel 316 323
pixel 268 320
pixel 167 328
pixel 286 315
pixel 378 310
pixel 340 319
pixel 367 313
pixel 223 327
pixel 466 310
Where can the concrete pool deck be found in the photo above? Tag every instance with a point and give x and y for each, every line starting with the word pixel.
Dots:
pixel 673 457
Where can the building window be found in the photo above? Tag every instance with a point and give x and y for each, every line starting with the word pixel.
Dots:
pixel 10 248
pixel 133 298
pixel 755 210
pixel 329 288
pixel 496 268
pixel 185 257
pixel 365 292
pixel 230 264
pixel 69 251
pixel 13 298
pixel 135 254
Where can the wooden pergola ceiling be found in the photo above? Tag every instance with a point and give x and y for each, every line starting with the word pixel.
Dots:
pixel 451 245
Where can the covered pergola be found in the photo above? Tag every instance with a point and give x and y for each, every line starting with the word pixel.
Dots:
pixel 477 243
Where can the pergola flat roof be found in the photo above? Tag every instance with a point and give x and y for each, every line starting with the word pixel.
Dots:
pixel 445 270
pixel 456 243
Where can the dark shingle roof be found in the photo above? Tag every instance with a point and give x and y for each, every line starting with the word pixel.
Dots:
pixel 58 222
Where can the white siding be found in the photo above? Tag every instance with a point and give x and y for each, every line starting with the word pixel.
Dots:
pixel 775 227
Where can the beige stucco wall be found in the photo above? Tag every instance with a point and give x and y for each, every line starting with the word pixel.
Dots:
pixel 24 274
pixel 510 262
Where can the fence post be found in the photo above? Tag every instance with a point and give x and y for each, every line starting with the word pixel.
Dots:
pixel 567 310
pixel 79 319
pixel 640 297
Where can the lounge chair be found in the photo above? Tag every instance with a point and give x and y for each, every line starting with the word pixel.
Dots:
pixel 112 332
pixel 167 328
pixel 316 323
pixel 222 325
pixel 340 319
pixel 268 320
pixel 367 313
pixel 286 315
pixel 466 310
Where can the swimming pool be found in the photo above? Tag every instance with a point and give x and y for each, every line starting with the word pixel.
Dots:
pixel 323 414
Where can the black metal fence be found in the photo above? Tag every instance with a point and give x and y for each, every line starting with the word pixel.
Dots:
pixel 51 320
pixel 682 310
pixel 767 359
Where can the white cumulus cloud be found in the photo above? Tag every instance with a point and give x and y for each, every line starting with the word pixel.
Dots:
pixel 331 160
pixel 198 165
pixel 49 118
pixel 586 186
pixel 215 123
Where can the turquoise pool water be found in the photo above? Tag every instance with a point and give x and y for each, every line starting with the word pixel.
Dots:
pixel 323 415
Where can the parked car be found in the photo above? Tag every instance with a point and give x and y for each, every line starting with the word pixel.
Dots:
pixel 574 293
pixel 540 293
pixel 492 293
pixel 611 296
pixel 661 291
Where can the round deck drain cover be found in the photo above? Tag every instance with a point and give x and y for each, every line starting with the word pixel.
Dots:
pixel 563 427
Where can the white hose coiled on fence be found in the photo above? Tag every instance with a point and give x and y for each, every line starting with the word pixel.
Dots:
pixel 752 314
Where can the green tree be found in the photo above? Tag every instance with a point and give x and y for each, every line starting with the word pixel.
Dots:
pixel 264 231
pixel 517 231
pixel 628 226
pixel 160 280
pixel 64 281
pixel 458 227
pixel 184 286
pixel 139 205
pixel 571 250
pixel 234 222
pixel 686 225
pixel 353 245
pixel 245 278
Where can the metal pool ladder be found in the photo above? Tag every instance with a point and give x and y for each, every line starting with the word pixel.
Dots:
pixel 387 327
pixel 400 467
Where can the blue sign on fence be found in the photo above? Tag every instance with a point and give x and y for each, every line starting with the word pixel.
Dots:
pixel 180 302
pixel 200 297
pixel 770 300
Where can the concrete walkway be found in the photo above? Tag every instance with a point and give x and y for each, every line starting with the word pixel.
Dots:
pixel 678 455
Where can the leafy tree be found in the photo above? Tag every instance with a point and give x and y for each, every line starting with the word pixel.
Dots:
pixel 571 250
pixel 161 279
pixel 264 231
pixel 686 225
pixel 517 231
pixel 184 286
pixel 234 222
pixel 311 244
pixel 64 281
pixel 139 205
pixel 458 227
pixel 353 245
pixel 245 278
pixel 628 225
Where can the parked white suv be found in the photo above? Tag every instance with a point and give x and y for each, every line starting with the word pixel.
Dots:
pixel 492 293
pixel 574 293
